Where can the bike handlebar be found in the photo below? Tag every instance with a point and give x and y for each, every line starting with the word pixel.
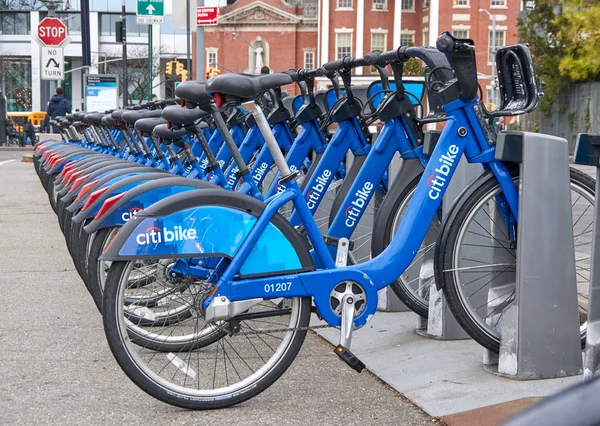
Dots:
pixel 348 63
pixel 304 74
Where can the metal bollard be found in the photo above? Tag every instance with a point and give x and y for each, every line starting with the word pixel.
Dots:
pixel 587 152
pixel 540 329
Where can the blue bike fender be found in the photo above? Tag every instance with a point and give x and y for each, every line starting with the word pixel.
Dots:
pixel 211 223
pixel 140 197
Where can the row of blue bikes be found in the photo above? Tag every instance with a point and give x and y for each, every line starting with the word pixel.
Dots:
pixel 210 228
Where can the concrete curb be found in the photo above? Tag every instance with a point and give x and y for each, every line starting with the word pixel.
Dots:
pixel 16 148
pixel 27 158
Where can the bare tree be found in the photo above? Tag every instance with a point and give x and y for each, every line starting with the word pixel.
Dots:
pixel 139 89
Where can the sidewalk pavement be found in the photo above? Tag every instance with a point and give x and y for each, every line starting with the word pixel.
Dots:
pixel 56 367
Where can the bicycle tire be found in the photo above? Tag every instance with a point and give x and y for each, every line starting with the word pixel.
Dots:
pixel 172 393
pixel 382 237
pixel 445 252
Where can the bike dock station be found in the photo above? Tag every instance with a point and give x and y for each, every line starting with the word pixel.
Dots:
pixel 540 344
pixel 587 152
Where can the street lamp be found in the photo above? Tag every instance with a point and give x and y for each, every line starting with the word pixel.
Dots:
pixel 493 77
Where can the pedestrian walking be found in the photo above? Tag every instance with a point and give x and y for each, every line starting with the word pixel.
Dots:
pixel 58 106
pixel 28 132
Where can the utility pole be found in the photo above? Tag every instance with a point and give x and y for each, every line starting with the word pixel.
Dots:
pixel 188 64
pixel 124 32
pixel 200 48
pixel 150 62
pixel 493 77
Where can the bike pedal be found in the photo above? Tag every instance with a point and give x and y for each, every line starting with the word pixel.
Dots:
pixel 349 358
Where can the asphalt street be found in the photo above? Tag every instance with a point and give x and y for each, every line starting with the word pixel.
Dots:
pixel 56 368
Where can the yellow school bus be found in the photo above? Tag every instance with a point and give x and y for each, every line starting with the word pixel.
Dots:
pixel 18 119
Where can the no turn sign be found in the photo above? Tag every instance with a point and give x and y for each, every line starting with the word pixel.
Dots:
pixel 53 63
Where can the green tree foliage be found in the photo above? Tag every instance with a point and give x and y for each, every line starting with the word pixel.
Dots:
pixel 565 44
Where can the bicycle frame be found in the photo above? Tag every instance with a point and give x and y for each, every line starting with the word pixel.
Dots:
pixel 461 135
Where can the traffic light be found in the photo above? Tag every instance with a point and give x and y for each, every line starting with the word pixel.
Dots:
pixel 179 68
pixel 184 75
pixel 216 72
pixel 169 69
pixel 208 73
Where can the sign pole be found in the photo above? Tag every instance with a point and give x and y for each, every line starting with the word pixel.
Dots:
pixel 200 48
pixel 188 64
pixel 150 62
pixel 124 30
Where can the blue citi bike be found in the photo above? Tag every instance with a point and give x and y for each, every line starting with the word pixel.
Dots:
pixel 254 279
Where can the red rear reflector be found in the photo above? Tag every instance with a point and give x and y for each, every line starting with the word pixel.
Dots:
pixel 74 176
pixel 93 197
pixel 111 241
pixel 66 169
pixel 85 189
pixel 78 182
pixel 218 100
pixel 108 203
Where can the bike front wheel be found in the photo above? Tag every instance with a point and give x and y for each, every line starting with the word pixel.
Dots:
pixel 475 256
pixel 218 372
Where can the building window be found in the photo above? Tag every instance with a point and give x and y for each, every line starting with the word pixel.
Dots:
pixel 460 33
pixel 461 3
pixel 15 83
pixel 425 4
pixel 343 43
pixel 500 41
pixel 108 20
pixel 408 4
pixel 492 98
pixel 378 41
pixel 211 58
pixel 309 60
pixel 379 4
pixel 425 35
pixel 344 4
pixel 407 39
pixel 498 3
pixel 15 23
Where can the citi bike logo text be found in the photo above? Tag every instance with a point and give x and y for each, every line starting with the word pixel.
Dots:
pixel 315 192
pixel 356 207
pixel 437 180
pixel 280 188
pixel 204 163
pixel 260 172
pixel 232 176
pixel 130 213
pixel 155 235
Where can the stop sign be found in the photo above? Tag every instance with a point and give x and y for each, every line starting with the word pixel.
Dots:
pixel 52 32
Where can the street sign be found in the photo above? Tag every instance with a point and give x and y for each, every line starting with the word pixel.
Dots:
pixel 52 32
pixel 150 11
pixel 101 92
pixel 207 16
pixel 53 63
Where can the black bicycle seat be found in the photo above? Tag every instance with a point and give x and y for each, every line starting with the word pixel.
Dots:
pixel 246 85
pixel 162 131
pixel 107 120
pixel 132 116
pixel 94 117
pixel 71 117
pixel 193 91
pixel 116 114
pixel 79 115
pixel 181 115
pixel 147 125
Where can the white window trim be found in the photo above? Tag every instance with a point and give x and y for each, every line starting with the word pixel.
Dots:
pixel 460 27
pixel 385 7
pixel 505 6
pixel 342 9
pixel 462 6
pixel 408 10
pixel 343 31
pixel 210 50
pixel 310 50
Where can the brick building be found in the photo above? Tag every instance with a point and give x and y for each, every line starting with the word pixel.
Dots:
pixel 356 27
pixel 285 34
pixel 277 33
